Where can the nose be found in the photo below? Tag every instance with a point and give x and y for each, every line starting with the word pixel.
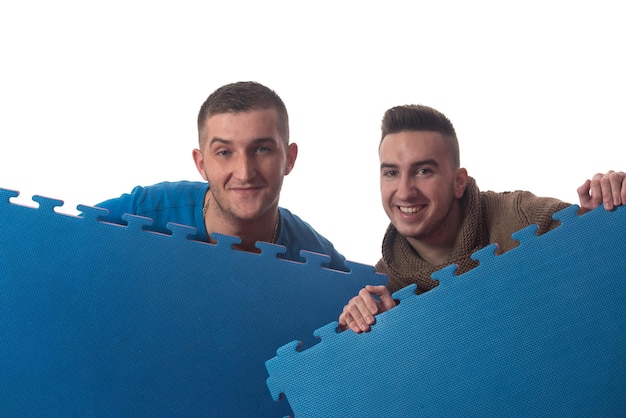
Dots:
pixel 407 188
pixel 245 168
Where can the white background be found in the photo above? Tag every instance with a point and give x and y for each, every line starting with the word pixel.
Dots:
pixel 97 97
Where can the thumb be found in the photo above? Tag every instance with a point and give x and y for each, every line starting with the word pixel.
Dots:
pixel 583 195
pixel 386 301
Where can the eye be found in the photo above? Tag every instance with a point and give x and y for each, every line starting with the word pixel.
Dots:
pixel 423 171
pixel 390 173
pixel 223 153
pixel 262 149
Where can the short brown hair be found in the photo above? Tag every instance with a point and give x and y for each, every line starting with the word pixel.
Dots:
pixel 421 118
pixel 243 96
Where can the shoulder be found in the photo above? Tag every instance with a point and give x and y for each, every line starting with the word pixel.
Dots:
pixel 159 197
pixel 522 206
pixel 293 228
pixel 290 218
pixel 165 191
pixel 297 235
pixel 172 188
pixel 521 200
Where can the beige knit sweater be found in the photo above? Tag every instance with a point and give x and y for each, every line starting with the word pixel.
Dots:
pixel 489 217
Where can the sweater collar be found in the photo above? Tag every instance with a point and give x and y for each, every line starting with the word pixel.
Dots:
pixel 404 262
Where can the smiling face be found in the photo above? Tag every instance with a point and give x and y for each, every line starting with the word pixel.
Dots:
pixel 420 186
pixel 244 159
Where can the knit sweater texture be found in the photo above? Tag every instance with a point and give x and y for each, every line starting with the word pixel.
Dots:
pixel 489 217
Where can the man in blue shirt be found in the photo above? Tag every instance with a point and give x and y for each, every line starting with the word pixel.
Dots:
pixel 244 153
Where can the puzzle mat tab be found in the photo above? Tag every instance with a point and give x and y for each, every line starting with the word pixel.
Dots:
pixel 537 331
pixel 100 319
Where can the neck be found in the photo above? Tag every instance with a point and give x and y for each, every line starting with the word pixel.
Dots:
pixel 263 229
pixel 432 254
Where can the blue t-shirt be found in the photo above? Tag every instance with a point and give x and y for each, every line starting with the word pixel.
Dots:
pixel 181 203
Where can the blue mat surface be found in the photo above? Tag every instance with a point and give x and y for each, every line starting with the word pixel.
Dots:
pixel 105 320
pixel 537 331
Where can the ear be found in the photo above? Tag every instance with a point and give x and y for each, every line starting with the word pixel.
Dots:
pixel 198 159
pixel 292 154
pixel 460 182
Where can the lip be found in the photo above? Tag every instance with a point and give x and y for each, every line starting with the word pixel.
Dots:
pixel 410 211
pixel 242 185
pixel 245 190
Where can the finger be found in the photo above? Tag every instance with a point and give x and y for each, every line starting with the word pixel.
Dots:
pixel 596 191
pixel 386 301
pixel 358 310
pixel 606 185
pixel 344 318
pixel 368 301
pixel 623 193
pixel 347 322
pixel 354 326
pixel 583 197
pixel 583 191
pixel 618 187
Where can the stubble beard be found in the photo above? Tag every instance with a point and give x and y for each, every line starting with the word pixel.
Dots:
pixel 228 210
pixel 431 229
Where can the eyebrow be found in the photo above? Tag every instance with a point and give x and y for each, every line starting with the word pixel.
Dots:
pixel 428 161
pixel 257 141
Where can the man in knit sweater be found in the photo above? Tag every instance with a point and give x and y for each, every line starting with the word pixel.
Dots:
pixel 439 216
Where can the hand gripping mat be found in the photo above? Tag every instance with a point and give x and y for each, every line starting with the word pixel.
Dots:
pixel 537 331
pixel 106 320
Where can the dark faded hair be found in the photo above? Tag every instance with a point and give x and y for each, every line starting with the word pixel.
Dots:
pixel 243 96
pixel 421 118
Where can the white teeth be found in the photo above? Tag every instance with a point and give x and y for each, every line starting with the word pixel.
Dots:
pixel 405 209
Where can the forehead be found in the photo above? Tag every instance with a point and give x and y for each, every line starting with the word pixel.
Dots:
pixel 413 146
pixel 243 126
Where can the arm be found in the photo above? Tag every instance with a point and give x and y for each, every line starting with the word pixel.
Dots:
pixel 358 314
pixel 608 189
pixel 126 203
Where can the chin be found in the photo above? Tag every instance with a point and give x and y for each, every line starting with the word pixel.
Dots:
pixel 409 231
pixel 247 216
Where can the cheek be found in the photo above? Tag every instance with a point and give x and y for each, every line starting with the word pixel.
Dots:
pixel 203 173
pixel 385 192
pixel 212 175
pixel 272 173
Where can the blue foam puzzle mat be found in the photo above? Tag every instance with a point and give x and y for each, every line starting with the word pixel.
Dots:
pixel 537 331
pixel 106 320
